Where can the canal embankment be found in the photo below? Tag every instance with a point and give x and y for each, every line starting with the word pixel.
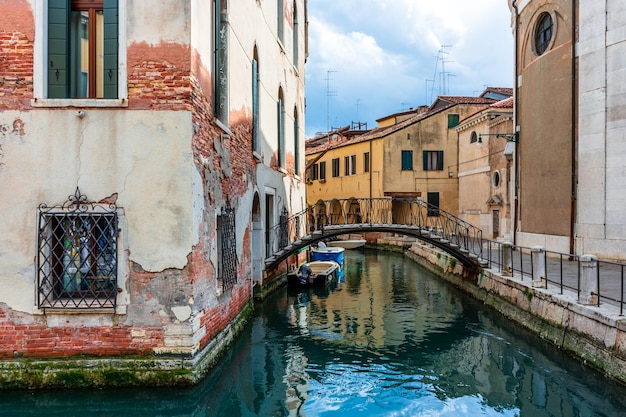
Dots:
pixel 596 335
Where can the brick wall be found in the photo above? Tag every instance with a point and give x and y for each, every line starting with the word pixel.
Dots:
pixel 16 71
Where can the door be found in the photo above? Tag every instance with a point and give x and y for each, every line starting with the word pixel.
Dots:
pixel 496 223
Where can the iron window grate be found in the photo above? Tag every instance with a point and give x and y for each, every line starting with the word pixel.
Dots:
pixel 229 248
pixel 77 256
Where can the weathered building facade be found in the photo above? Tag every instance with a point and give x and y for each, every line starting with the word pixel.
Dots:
pixel 407 156
pixel 570 119
pixel 145 148
pixel 486 169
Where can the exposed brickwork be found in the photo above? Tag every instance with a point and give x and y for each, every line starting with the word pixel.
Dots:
pixel 40 340
pixel 16 71
pixel 159 77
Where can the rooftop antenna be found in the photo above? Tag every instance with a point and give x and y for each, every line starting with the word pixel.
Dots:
pixel 357 108
pixel 443 73
pixel 329 94
pixel 426 101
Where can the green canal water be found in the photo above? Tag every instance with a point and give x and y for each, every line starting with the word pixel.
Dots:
pixel 390 340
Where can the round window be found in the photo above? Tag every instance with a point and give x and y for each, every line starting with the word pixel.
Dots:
pixel 543 33
pixel 495 179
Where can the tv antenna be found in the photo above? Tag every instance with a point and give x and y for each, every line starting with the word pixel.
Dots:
pixel 329 94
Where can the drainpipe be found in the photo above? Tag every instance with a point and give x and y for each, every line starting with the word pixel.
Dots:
pixel 515 122
pixel 572 234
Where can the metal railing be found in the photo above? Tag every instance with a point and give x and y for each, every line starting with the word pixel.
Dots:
pixel 562 270
pixel 326 218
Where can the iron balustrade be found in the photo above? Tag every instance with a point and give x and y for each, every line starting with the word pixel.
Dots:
pixel 563 271
pixel 402 215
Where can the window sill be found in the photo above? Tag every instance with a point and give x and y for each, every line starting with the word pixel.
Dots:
pixel 118 310
pixel 78 102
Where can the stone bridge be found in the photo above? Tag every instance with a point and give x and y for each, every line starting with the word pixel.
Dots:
pixel 410 217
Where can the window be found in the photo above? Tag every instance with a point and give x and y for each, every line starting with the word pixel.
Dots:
pixel 453 120
pixel 296 141
pixel 407 160
pixel 543 33
pixel 227 247
pixel 496 179
pixel 220 61
pixel 323 170
pixel 82 59
pixel 335 163
pixel 433 204
pixel 473 137
pixel 255 103
pixel 77 257
pixel 433 160
pixel 280 111
pixel 295 35
pixel 350 165
pixel 280 16
pixel 366 162
pixel 315 172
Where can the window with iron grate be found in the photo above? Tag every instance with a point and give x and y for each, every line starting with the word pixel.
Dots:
pixel 227 247
pixel 77 256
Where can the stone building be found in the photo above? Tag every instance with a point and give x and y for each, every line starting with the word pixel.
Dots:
pixel 570 94
pixel 486 169
pixel 145 149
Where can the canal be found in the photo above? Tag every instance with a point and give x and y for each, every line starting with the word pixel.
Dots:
pixel 392 339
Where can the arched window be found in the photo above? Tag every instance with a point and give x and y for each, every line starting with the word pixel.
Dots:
pixel 543 33
pixel 280 120
pixel 474 138
pixel 255 103
pixel 296 141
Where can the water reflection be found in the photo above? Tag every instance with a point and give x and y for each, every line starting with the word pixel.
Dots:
pixel 390 340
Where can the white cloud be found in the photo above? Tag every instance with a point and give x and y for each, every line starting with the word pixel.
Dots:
pixel 381 54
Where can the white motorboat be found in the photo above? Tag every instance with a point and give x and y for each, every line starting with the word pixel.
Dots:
pixel 313 274
pixel 348 243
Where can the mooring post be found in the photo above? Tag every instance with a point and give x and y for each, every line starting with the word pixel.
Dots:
pixel 507 259
pixel 539 267
pixel 588 294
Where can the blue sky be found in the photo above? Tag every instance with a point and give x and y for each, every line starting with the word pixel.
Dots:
pixel 371 58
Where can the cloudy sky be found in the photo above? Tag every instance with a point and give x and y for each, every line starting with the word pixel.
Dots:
pixel 371 58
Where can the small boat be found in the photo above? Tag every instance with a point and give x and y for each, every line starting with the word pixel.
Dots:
pixel 313 274
pixel 348 243
pixel 327 253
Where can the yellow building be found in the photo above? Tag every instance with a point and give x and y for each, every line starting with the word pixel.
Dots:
pixel 409 155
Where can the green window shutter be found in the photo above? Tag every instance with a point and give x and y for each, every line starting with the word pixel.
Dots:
pixel 58 56
pixel 453 120
pixel 440 160
pixel 425 160
pixel 111 46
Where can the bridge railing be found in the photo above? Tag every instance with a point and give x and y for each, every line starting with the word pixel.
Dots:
pixel 424 219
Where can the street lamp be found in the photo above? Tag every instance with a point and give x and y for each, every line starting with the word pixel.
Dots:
pixel 510 137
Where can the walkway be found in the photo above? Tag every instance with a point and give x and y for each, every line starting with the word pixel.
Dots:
pixel 563 272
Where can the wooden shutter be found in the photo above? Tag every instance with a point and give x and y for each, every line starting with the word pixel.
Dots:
pixel 440 160
pixel 407 160
pixel 58 56
pixel 111 47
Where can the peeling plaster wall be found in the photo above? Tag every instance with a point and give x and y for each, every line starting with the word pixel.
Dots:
pixel 143 157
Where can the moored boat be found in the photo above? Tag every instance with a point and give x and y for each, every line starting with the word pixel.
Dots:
pixel 347 244
pixel 328 253
pixel 313 274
